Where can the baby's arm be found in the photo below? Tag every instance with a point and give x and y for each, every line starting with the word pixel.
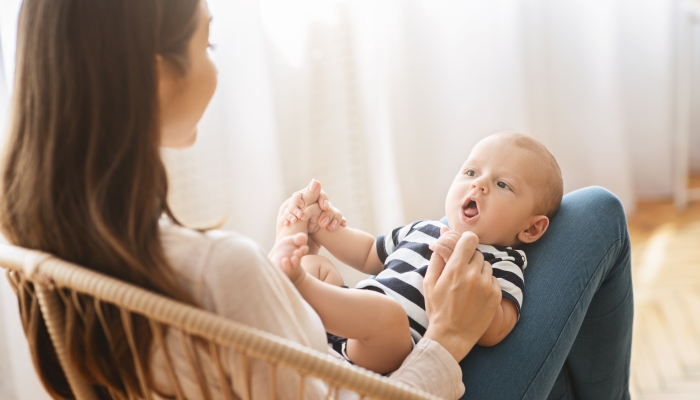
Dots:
pixel 503 322
pixel 352 247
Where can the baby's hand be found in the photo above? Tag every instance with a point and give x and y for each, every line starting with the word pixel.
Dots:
pixel 311 204
pixel 287 256
pixel 446 243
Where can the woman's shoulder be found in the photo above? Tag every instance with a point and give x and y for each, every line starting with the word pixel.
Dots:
pixel 230 274
pixel 176 237
pixel 188 248
pixel 208 261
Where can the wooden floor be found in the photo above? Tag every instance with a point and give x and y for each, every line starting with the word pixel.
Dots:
pixel 666 275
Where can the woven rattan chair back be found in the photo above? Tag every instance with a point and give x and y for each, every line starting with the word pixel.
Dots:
pixel 54 278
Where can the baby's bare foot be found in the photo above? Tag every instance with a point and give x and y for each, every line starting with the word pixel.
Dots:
pixel 287 256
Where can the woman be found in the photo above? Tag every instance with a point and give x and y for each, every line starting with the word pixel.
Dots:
pixel 100 85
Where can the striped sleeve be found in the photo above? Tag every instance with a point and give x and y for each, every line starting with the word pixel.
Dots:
pixel 508 265
pixel 387 243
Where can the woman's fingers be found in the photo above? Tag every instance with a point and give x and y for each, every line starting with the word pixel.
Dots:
pixel 486 268
pixel 496 287
pixel 436 266
pixel 302 199
pixel 432 274
pixel 311 193
pixel 309 212
pixel 323 201
pixel 465 253
pixel 460 297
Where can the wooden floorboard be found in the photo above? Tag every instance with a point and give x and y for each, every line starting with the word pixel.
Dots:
pixel 666 276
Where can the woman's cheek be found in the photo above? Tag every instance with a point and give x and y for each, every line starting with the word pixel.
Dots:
pixel 213 77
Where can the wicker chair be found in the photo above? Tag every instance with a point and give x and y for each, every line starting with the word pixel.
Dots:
pixel 49 273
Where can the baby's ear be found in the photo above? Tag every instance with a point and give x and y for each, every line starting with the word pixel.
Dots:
pixel 538 226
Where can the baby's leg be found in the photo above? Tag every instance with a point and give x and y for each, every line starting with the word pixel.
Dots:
pixel 376 326
pixel 385 340
pixel 322 269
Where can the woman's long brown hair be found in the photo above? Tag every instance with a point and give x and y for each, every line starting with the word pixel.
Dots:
pixel 83 178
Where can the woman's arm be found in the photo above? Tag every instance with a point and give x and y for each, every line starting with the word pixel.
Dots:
pixel 461 298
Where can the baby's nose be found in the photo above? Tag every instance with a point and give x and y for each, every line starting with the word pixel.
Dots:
pixel 478 184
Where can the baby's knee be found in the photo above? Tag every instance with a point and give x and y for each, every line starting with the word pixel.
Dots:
pixel 393 314
pixel 322 269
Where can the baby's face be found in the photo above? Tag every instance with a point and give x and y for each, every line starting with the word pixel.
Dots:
pixel 494 193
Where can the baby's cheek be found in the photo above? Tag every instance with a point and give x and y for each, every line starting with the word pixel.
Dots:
pixel 498 227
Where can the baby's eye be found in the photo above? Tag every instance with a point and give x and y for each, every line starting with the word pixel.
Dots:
pixel 503 185
pixel 470 172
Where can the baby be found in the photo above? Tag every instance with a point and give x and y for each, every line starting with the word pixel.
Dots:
pixel 506 192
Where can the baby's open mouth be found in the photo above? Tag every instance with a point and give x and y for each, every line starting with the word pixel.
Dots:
pixel 471 210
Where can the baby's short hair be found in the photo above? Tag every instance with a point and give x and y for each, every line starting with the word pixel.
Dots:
pixel 553 191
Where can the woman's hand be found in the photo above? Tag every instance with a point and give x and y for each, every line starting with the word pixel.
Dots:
pixel 461 297
pixel 297 207
pixel 446 243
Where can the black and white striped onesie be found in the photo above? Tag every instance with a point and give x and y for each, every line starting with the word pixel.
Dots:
pixel 405 254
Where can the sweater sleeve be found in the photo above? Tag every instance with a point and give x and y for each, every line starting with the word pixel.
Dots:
pixel 246 287
pixel 431 368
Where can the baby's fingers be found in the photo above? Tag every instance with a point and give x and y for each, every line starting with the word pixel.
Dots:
pixel 449 239
pixel 331 219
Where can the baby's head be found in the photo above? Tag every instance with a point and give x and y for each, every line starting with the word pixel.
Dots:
pixel 506 191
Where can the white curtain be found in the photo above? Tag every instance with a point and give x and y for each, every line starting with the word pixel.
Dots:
pixel 382 100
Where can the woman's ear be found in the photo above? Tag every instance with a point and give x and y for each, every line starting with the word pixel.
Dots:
pixel 165 79
pixel 538 226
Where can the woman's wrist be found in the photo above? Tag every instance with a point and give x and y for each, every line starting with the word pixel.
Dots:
pixel 456 343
